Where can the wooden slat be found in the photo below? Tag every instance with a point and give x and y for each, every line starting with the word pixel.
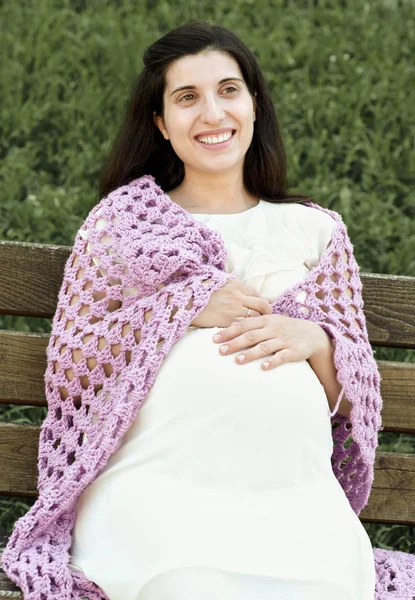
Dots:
pixel 392 499
pixel 31 276
pixel 23 359
pixel 19 446
pixel 397 389
pixel 389 307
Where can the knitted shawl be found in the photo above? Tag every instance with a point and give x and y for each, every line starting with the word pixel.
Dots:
pixel 141 269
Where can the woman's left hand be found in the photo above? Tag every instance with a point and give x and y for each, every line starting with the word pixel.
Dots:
pixel 289 339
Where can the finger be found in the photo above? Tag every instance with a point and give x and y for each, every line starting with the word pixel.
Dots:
pixel 281 357
pixel 266 348
pixel 260 305
pixel 237 328
pixel 269 310
pixel 253 313
pixel 248 290
pixel 237 337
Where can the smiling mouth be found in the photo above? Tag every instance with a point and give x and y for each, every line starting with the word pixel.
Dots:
pixel 216 143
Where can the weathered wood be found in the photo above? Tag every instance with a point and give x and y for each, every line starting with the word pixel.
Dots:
pixel 23 364
pixel 392 499
pixel 389 307
pixel 397 389
pixel 31 276
pixel 19 446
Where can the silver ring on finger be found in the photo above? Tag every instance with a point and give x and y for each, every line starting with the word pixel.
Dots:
pixel 249 312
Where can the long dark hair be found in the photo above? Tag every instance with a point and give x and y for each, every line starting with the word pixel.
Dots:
pixel 139 147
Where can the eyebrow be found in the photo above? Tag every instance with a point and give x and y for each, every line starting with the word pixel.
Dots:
pixel 193 87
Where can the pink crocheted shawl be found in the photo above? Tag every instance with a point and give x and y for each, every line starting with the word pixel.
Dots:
pixel 141 269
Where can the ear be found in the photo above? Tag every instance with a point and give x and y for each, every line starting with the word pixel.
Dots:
pixel 160 125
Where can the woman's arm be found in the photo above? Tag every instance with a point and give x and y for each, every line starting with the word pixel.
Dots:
pixel 322 364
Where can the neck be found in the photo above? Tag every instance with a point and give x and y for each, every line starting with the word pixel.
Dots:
pixel 212 196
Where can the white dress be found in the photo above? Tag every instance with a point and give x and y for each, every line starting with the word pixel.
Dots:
pixel 224 479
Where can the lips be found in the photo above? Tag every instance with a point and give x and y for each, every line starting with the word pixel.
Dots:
pixel 216 146
pixel 216 134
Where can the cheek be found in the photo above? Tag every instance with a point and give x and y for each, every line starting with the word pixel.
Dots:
pixel 243 111
pixel 180 137
pixel 179 124
pixel 185 135
pixel 245 119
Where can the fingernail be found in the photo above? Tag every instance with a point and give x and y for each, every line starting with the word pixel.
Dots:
pixel 224 348
pixel 216 337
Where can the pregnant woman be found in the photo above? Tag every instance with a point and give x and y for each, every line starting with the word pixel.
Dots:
pixel 223 486
pixel 171 468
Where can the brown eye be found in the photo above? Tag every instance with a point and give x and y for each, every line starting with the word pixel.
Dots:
pixel 231 87
pixel 186 96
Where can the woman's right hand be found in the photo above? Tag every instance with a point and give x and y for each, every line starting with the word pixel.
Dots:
pixel 231 302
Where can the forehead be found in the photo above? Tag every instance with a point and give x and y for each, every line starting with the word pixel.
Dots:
pixel 201 69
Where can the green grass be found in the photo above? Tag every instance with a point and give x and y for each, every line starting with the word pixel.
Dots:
pixel 342 78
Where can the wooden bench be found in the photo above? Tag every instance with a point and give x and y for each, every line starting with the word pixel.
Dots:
pixel 30 279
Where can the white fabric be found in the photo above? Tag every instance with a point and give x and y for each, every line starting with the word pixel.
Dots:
pixel 207 584
pixel 227 466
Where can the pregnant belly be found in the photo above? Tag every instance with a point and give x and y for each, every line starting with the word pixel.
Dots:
pixel 210 420
pixel 195 366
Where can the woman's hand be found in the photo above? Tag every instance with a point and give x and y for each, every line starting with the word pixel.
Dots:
pixel 230 302
pixel 290 340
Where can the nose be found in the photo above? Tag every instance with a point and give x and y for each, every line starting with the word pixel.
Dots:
pixel 211 111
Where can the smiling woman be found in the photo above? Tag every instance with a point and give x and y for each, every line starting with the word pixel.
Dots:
pixel 196 495
pixel 235 521
pixel 219 152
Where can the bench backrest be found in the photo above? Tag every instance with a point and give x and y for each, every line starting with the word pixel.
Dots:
pixel 30 279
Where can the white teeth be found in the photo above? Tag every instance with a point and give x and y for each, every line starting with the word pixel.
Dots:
pixel 215 139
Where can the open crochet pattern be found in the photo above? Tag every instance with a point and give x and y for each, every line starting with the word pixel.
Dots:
pixel 141 270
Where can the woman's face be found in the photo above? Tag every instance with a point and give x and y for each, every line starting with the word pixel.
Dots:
pixel 204 104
